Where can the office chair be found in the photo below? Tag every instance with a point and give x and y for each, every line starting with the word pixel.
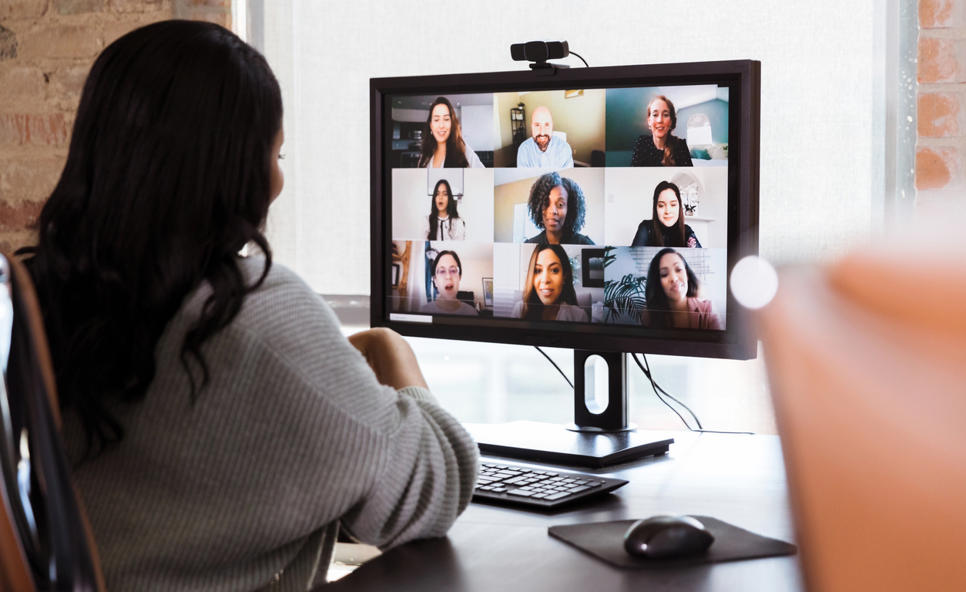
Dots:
pixel 45 541
pixel 869 384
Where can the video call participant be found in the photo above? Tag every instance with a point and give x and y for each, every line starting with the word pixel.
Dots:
pixel 666 228
pixel 447 271
pixel 671 294
pixel 444 221
pixel 543 149
pixel 443 144
pixel 548 291
pixel 661 147
pixel 221 429
pixel 556 205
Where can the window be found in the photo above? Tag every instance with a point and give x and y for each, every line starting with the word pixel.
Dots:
pixel 829 143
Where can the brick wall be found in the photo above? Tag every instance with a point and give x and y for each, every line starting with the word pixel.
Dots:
pixel 46 50
pixel 941 143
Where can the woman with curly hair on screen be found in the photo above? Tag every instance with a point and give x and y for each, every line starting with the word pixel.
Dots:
pixel 556 206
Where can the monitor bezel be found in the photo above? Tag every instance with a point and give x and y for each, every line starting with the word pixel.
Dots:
pixel 737 341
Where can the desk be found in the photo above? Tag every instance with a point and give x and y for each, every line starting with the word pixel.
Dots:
pixel 738 479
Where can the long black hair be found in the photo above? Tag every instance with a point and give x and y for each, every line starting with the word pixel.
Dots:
pixel 658 308
pixel 667 236
pixel 434 213
pixel 455 145
pixel 168 176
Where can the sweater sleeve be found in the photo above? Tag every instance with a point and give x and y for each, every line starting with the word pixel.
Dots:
pixel 391 465
pixel 426 482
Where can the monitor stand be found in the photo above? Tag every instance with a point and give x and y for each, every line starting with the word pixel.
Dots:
pixel 600 435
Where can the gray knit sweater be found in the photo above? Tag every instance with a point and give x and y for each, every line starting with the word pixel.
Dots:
pixel 293 436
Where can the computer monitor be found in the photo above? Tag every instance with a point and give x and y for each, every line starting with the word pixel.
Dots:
pixel 599 209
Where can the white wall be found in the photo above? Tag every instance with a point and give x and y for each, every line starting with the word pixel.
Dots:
pixel 821 116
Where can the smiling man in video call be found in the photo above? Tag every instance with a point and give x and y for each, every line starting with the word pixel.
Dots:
pixel 542 149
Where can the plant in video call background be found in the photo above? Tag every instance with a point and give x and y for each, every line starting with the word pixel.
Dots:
pixel 623 298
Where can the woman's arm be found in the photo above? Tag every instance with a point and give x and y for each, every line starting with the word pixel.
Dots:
pixel 390 357
pixel 473 161
pixel 640 237
pixel 683 157
pixel 459 229
pixel 638 157
pixel 691 239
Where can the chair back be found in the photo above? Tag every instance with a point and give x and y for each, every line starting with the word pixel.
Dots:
pixel 45 541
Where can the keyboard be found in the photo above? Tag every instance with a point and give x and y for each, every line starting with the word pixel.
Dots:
pixel 544 489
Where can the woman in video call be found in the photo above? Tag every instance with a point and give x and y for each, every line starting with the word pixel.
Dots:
pixel 548 292
pixel 666 228
pixel 444 221
pixel 221 429
pixel 556 205
pixel 661 147
pixel 447 271
pixel 672 295
pixel 443 144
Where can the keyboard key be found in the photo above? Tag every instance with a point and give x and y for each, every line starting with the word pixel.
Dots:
pixel 520 492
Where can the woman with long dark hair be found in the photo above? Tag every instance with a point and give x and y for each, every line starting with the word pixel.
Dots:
pixel 661 147
pixel 666 228
pixel 222 427
pixel 548 291
pixel 443 144
pixel 672 295
pixel 444 222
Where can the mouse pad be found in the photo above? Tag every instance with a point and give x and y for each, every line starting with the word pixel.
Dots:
pixel 605 540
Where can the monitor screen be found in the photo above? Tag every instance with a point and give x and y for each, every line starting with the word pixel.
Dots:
pixel 593 208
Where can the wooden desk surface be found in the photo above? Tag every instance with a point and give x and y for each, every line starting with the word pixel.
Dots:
pixel 735 478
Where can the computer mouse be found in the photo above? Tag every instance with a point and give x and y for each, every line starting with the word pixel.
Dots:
pixel 660 537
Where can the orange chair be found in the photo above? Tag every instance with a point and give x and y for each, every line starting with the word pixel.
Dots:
pixel 867 362
pixel 45 541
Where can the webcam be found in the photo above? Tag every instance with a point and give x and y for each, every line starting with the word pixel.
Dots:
pixel 538 52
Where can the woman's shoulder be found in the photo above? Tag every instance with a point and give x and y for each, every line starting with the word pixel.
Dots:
pixel 278 277
pixel 282 300
pixel 642 234
pixel 571 312
pixel 472 160
pixel 466 309
pixel 699 305
pixel 540 238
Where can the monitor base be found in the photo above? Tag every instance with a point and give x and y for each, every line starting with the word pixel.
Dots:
pixel 555 444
